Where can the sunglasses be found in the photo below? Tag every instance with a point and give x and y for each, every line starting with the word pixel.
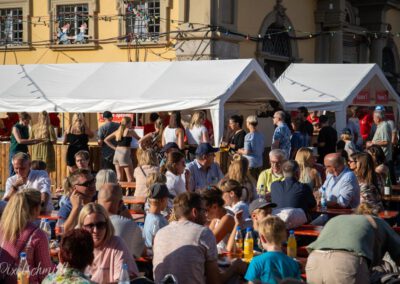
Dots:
pixel 87 183
pixel 99 226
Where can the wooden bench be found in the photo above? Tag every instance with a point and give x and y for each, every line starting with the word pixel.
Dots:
pixel 128 187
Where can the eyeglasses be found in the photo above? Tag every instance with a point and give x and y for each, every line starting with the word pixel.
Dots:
pixel 99 226
pixel 88 183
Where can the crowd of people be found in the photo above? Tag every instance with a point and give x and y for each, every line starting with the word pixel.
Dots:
pixel 193 210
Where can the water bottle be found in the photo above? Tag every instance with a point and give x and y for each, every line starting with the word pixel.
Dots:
pixel 23 269
pixel 124 275
pixel 238 243
pixel 387 187
pixel 292 245
pixel 45 227
pixel 324 206
pixel 59 229
pixel 261 192
pixel 248 246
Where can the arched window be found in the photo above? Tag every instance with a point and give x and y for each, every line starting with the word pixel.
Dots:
pixel 277 41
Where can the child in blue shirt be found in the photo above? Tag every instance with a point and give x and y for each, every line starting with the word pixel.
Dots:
pixel 158 199
pixel 273 265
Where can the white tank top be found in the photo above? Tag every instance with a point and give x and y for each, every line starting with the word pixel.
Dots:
pixel 170 135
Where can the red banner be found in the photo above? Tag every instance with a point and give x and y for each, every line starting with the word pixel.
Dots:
pixel 382 97
pixel 117 117
pixel 362 98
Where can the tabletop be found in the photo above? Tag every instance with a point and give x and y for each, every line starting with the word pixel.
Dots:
pixel 134 199
pixel 308 230
pixel 386 214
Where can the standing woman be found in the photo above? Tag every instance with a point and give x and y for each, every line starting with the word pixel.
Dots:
pixel 18 233
pixel 153 139
pixel 236 141
pixel 122 157
pixel 196 132
pixel 253 146
pixel 174 132
pixel 20 139
pixel 77 138
pixel 308 174
pixel 44 151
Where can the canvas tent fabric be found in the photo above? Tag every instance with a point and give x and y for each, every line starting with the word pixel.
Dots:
pixel 136 87
pixel 331 87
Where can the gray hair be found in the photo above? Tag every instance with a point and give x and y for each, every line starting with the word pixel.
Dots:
pixel 21 156
pixel 279 153
pixel 252 119
pixel 379 114
pixel 290 168
pixel 105 176
pixel 281 115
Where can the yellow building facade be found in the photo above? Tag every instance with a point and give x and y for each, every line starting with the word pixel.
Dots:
pixel 275 32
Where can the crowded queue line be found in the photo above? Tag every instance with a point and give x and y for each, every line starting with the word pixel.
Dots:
pixel 190 199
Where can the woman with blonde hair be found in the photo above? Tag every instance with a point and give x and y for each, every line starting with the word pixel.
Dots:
pixel 18 233
pixel 77 137
pixel 147 163
pixel 308 174
pixel 196 132
pixel 44 151
pixel 122 157
pixel 110 252
pixel 239 170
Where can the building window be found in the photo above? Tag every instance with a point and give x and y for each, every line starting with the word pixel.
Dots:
pixel 11 27
pixel 228 11
pixel 142 19
pixel 277 41
pixel 73 24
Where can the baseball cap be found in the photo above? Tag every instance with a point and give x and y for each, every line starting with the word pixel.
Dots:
pixel 260 203
pixel 159 190
pixel 379 108
pixel 205 148
pixel 346 131
pixel 169 145
pixel 107 114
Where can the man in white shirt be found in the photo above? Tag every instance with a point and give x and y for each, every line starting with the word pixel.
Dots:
pixel 25 178
pixel 110 197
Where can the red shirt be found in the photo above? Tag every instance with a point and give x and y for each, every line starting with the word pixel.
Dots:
pixel 314 120
pixel 209 126
pixel 54 119
pixel 148 128
pixel 365 125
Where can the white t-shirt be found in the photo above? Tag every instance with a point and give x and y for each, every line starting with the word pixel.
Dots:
pixel 130 233
pixel 37 179
pixel 195 135
pixel 176 185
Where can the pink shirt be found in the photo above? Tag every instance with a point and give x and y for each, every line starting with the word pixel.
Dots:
pixel 37 252
pixel 108 261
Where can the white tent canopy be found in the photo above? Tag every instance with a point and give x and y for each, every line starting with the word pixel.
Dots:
pixel 333 87
pixel 136 87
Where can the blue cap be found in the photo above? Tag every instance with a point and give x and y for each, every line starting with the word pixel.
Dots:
pixel 22 254
pixel 291 232
pixel 379 108
pixel 248 229
pixel 238 228
pixel 205 148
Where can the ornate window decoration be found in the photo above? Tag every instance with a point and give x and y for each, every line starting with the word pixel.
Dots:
pixel 277 41
pixel 74 23
pixel 143 21
pixel 14 27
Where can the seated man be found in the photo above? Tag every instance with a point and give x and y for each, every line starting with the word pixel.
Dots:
pixel 276 158
pixel 348 246
pixel 290 192
pixel 82 192
pixel 203 170
pixel 25 178
pixel 110 197
pixel 191 257
pixel 341 185
pixel 82 159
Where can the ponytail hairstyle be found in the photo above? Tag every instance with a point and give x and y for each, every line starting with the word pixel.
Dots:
pixel 124 122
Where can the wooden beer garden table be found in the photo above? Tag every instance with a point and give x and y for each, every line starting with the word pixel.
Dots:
pixel 141 200
pixel 308 230
pixel 52 216
pixel 386 214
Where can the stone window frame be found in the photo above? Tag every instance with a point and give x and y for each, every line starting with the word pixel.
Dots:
pixel 93 9
pixel 26 6
pixel 165 6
